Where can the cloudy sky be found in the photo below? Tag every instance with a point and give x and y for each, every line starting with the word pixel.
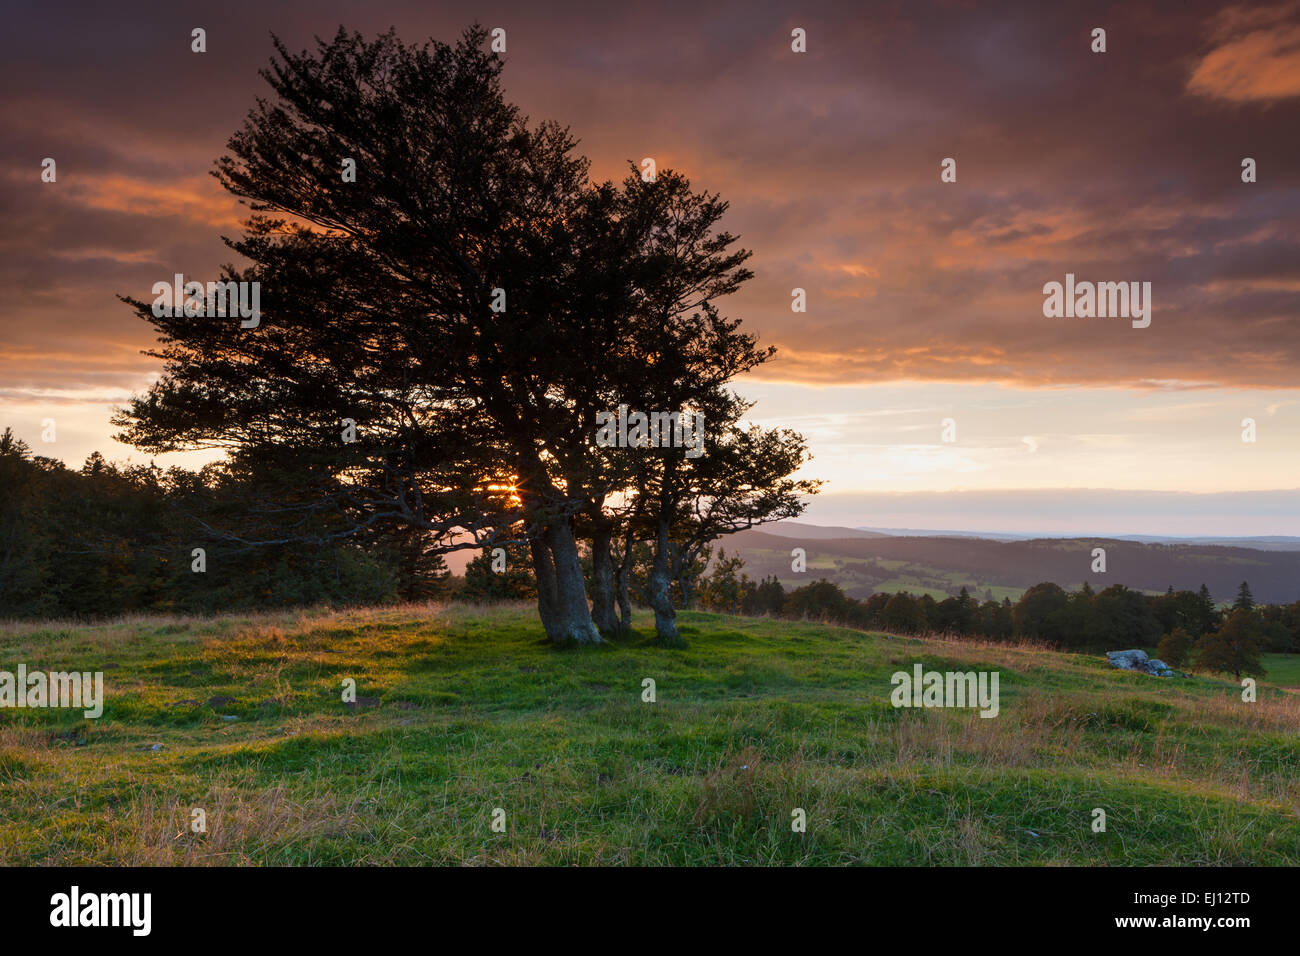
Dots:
pixel 924 298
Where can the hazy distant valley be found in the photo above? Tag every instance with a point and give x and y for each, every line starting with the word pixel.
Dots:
pixel 940 564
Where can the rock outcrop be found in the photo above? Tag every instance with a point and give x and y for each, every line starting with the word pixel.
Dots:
pixel 1137 660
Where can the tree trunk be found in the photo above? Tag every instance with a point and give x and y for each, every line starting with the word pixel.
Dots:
pixel 622 577
pixel 660 591
pixel 544 568
pixel 561 591
pixel 603 585
pixel 687 584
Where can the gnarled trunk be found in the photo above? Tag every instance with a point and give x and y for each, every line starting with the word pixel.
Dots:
pixel 622 572
pixel 561 591
pixel 603 585
pixel 659 589
pixel 544 569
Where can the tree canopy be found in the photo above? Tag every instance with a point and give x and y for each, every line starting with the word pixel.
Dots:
pixel 447 302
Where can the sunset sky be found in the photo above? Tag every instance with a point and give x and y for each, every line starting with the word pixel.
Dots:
pixel 925 298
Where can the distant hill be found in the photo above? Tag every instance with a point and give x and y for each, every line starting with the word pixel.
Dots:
pixel 1268 543
pixel 797 529
pixel 1005 568
pixel 1279 542
pixel 934 533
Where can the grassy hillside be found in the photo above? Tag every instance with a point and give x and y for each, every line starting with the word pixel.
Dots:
pixel 464 710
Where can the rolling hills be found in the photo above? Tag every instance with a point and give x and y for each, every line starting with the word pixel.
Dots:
pixel 940 566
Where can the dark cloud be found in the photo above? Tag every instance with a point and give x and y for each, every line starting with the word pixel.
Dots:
pixel 1115 166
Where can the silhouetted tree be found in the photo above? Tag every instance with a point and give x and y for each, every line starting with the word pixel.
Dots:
pixel 1040 613
pixel 504 576
pixel 1175 648
pixel 769 597
pixel 1208 615
pixel 1125 618
pixel 820 600
pixel 1234 648
pixel 903 613
pixel 438 333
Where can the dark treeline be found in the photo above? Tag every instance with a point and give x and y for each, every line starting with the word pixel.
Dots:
pixel 109 539
pixel 112 539
pixel 1187 627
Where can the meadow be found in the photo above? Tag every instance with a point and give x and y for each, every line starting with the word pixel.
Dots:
pixel 462 710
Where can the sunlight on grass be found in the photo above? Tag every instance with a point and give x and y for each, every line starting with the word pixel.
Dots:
pixel 463 709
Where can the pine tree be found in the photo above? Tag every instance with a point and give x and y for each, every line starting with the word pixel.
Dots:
pixel 722 589
pixel 1244 598
pixel 14 446
pixel 496 577
pixel 1208 611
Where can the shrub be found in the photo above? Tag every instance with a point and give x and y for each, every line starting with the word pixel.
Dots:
pixel 1175 648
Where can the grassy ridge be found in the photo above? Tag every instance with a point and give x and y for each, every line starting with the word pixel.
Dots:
pixel 463 710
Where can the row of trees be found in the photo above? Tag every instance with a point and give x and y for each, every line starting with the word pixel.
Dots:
pixel 1186 627
pixel 109 539
pixel 439 332
pixel 106 540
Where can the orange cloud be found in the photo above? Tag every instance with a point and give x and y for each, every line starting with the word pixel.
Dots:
pixel 199 199
pixel 1257 59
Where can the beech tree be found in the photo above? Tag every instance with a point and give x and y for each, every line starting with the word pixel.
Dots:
pixel 446 303
pixel 434 299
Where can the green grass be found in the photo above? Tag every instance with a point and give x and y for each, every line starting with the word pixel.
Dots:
pixel 467 709
pixel 1282 669
pixel 861 576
